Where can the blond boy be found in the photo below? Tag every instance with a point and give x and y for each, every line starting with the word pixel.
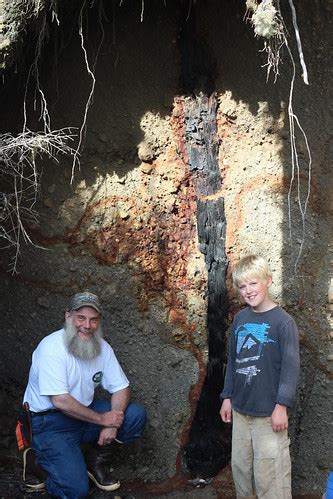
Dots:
pixel 260 386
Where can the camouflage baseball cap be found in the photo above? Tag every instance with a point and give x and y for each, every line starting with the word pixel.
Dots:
pixel 85 299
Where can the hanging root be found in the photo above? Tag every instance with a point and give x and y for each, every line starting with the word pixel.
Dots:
pixel 267 22
pixel 299 43
pixel 142 10
pixel 18 155
pixel 20 178
pixel 34 73
pixel 91 73
pixel 294 124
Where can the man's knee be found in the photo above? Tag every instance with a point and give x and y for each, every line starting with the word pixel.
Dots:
pixel 137 415
pixel 134 423
pixel 138 412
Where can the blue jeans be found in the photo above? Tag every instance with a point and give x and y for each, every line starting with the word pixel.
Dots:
pixel 57 439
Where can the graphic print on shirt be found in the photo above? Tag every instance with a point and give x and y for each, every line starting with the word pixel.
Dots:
pixel 97 377
pixel 250 341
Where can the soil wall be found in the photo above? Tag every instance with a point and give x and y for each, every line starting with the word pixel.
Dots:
pixel 186 166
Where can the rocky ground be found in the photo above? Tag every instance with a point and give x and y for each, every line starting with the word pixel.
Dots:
pixel 11 486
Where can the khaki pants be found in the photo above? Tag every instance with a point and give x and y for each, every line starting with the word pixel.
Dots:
pixel 260 458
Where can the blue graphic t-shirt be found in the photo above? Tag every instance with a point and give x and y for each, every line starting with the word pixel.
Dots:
pixel 263 362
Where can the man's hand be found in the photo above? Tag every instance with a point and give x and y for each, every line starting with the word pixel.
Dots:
pixel 279 418
pixel 226 411
pixel 112 419
pixel 107 436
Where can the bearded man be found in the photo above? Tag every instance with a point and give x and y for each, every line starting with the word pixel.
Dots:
pixel 67 366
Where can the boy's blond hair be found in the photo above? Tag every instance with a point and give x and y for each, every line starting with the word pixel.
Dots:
pixel 251 266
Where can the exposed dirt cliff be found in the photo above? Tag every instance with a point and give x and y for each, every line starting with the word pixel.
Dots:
pixel 185 165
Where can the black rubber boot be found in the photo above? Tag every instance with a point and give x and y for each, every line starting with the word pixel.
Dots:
pixel 33 474
pixel 99 470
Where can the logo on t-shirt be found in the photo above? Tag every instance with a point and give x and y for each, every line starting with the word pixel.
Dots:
pixel 97 377
pixel 251 340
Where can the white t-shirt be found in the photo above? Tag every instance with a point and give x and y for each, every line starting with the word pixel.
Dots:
pixel 55 371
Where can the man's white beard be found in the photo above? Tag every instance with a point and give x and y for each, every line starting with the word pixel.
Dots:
pixel 84 349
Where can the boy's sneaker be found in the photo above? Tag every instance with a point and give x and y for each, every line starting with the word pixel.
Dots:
pixel 33 474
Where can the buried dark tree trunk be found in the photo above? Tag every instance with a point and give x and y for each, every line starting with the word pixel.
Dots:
pixel 208 449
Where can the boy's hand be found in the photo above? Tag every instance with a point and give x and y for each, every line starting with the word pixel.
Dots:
pixel 225 411
pixel 279 418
